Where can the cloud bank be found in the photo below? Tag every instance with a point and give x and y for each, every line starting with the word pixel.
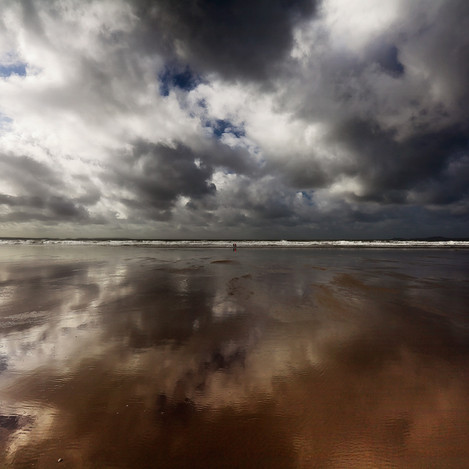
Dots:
pixel 235 119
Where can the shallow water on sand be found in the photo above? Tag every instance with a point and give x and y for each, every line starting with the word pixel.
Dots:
pixel 275 358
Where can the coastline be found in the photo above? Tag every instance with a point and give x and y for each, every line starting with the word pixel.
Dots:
pixel 286 244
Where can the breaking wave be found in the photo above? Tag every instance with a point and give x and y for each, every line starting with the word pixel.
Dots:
pixel 243 243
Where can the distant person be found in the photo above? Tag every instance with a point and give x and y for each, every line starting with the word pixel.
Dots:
pixel 234 246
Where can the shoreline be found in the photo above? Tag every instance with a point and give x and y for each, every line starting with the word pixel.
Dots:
pixel 245 244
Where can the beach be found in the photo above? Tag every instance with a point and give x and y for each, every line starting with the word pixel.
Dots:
pixel 140 357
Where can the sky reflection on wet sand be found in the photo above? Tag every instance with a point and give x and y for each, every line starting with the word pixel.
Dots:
pixel 133 357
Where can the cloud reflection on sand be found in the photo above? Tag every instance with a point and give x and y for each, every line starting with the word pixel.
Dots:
pixel 166 354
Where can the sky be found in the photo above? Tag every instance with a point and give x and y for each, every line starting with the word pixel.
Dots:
pixel 234 119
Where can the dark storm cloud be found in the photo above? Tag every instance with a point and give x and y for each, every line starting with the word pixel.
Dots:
pixel 65 208
pixel 365 113
pixel 158 174
pixel 270 209
pixel 396 111
pixel 34 181
pixel 238 39
pixel 390 168
pixel 451 186
pixel 21 201
pixel 306 171
pixel 31 17
pixel 443 47
pixel 27 172
pixel 41 198
pixel 52 210
pixel 260 202
pixel 58 207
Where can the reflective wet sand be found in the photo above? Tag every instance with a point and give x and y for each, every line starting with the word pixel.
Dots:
pixel 261 358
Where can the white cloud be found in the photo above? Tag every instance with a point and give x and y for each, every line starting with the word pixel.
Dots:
pixel 361 80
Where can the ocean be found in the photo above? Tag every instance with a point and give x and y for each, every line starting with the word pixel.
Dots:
pixel 210 243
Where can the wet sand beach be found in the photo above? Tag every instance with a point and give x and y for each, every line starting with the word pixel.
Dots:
pixel 128 357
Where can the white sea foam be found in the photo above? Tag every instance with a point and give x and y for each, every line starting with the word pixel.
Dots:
pixel 456 244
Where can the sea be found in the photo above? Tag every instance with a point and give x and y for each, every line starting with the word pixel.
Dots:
pixel 210 243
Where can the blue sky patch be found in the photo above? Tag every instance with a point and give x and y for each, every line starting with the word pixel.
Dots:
pixel 222 126
pixel 175 78
pixel 15 69
pixel 5 122
pixel 388 58
pixel 5 119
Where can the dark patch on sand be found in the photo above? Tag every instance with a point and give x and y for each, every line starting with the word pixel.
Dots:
pixel 237 286
pixel 10 422
pixel 226 360
pixel 353 283
pixel 224 261
pixel 179 270
pixel 3 363
pixel 171 412
pixel 325 297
